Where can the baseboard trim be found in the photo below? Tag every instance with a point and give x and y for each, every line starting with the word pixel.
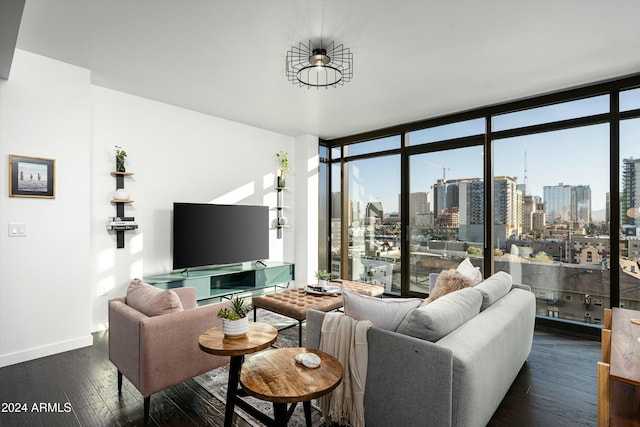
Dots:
pixel 45 350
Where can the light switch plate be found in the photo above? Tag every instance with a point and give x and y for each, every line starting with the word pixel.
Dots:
pixel 17 229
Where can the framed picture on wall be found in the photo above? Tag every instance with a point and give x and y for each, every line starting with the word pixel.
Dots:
pixel 32 177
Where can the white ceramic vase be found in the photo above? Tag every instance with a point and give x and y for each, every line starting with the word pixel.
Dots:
pixel 235 328
pixel 323 283
pixel 121 194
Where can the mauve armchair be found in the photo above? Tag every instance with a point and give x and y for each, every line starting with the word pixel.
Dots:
pixel 161 351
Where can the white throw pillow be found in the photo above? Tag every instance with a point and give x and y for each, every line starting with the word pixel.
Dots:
pixel 384 313
pixel 469 270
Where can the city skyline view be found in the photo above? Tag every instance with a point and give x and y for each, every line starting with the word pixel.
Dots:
pixel 573 157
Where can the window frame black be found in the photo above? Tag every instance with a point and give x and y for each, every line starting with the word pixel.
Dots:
pixel 611 87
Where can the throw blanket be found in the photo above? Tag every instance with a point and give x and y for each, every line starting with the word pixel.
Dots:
pixel 345 339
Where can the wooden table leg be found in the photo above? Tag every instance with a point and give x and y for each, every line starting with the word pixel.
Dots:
pixel 232 389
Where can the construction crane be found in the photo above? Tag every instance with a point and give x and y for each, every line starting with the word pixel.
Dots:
pixel 444 169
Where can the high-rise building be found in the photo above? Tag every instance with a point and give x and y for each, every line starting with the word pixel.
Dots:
pixel 419 205
pixel 374 210
pixel 630 200
pixel 557 203
pixel 581 204
pixel 567 203
pixel 507 207
pixel 445 196
pixel 529 207
pixel 466 198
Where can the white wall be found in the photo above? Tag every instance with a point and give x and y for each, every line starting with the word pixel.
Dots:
pixel 306 208
pixel 175 155
pixel 45 279
pixel 55 283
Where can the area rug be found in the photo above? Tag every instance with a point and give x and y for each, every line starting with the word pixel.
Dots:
pixel 215 382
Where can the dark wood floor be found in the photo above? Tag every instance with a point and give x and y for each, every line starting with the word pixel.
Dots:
pixel 556 387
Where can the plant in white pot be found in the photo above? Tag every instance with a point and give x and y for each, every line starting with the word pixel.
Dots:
pixel 121 155
pixel 323 277
pixel 235 322
pixel 283 163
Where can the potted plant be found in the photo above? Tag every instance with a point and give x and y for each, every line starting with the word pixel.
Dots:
pixel 323 277
pixel 283 163
pixel 120 156
pixel 235 322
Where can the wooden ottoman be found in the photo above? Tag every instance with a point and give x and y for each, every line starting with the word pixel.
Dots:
pixel 294 303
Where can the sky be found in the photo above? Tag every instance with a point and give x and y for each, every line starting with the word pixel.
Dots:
pixel 578 156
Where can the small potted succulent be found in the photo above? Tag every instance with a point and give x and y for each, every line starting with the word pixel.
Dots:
pixel 235 322
pixel 323 277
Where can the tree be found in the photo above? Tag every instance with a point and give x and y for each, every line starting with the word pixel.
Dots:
pixel 472 250
pixel 542 257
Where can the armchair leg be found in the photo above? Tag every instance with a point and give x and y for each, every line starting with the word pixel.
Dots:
pixel 119 381
pixel 147 403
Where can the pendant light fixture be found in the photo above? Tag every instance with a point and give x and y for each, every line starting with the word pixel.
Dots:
pixel 319 65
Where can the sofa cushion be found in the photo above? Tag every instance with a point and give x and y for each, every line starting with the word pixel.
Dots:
pixel 435 320
pixel 469 270
pixel 494 288
pixel 150 300
pixel 384 313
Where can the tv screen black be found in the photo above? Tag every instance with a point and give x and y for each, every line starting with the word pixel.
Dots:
pixel 207 234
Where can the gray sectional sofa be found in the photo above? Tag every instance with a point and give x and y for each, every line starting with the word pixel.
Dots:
pixel 446 364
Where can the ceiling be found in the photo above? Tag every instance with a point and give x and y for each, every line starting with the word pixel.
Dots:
pixel 412 59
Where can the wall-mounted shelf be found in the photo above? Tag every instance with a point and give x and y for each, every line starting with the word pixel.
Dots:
pixel 280 208
pixel 120 229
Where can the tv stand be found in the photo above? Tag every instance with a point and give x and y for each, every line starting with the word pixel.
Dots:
pixel 221 281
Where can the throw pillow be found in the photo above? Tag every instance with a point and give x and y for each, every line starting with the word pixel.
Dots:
pixel 494 288
pixel 434 321
pixel 469 270
pixel 384 313
pixel 448 281
pixel 150 300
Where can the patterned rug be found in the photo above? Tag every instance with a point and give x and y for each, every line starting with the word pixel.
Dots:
pixel 215 382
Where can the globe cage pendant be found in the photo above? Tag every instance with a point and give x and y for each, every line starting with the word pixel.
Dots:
pixel 319 66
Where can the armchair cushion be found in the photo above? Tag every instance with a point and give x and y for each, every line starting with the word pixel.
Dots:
pixel 150 300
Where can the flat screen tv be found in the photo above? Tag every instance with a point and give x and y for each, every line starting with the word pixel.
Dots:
pixel 207 234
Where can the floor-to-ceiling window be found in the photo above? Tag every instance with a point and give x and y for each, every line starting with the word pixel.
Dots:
pixel 445 218
pixel 630 202
pixel 370 220
pixel 550 228
pixel 554 163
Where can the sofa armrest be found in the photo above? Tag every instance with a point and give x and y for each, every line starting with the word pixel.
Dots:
pixel 124 333
pixel 170 352
pixel 521 286
pixel 409 380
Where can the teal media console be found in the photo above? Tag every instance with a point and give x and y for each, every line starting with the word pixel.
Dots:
pixel 217 282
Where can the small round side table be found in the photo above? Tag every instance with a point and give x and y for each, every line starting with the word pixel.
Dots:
pixel 259 337
pixel 274 376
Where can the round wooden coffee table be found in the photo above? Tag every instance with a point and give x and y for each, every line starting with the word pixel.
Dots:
pixel 259 337
pixel 274 376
